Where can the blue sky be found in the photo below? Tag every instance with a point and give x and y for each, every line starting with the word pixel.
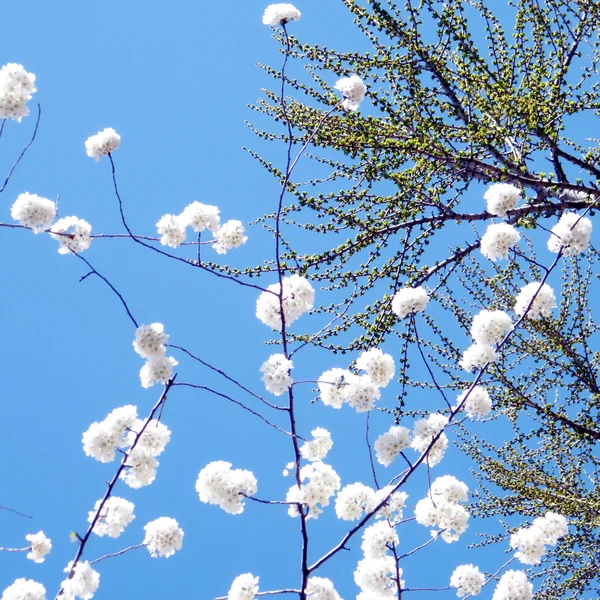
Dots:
pixel 174 80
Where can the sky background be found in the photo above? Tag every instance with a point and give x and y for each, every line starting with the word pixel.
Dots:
pixel 174 79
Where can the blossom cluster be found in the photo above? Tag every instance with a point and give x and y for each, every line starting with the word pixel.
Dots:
pixel 408 301
pixel 82 584
pixel 40 546
pixel 276 374
pixel 353 90
pixel 112 518
pixel 163 537
pixel 149 343
pixel 489 328
pixel 244 587
pixel 530 542
pixel 442 508
pixel 295 297
pixel 571 234
pixel 200 217
pixel 219 484
pixel 103 143
pixel 321 484
pixel 16 88
pixel 280 14
pixel 356 499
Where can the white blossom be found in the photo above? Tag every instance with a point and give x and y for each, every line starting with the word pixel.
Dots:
pixel 83 584
pixel 244 587
pixel 394 505
pixel 157 370
pixel 276 374
pixel 33 211
pixel 318 447
pixel 477 356
pixel 498 239
pixel 478 403
pixel 354 499
pixel 409 300
pixel 141 469
pixel 424 431
pixel 24 589
pixel 75 234
pixel 513 585
pixel 332 384
pixel 280 14
pixel 103 143
pixel 377 538
pixel 449 489
pixel 16 87
pixel 171 228
pixel 450 517
pixel 102 439
pixel 40 546
pixel 490 326
pixel 544 302
pixel 200 216
pixel 150 340
pixel 321 588
pixel 389 444
pixel 375 575
pixel 163 537
pixel 353 90
pixel 315 494
pixel 501 197
pixel 115 515
pixel 379 366
pixel 153 440
pixel 571 234
pixel 298 297
pixel 360 392
pixel 230 235
pixel 553 525
pixel 468 580
pixel 219 484
pixel 530 544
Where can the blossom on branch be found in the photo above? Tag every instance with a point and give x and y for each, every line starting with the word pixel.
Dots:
pixel 24 589
pixel 103 143
pixel 163 537
pixel 571 234
pixel 468 580
pixel 354 499
pixel 498 240
pixel 501 197
pixel 150 340
pixel 72 233
pixel 478 403
pixel 513 585
pixel 83 584
pixel 388 445
pixel 322 483
pixel 331 387
pixel 171 228
pixel 409 300
pixel 376 576
pixel 40 546
pixel 542 306
pixel 377 538
pixel 276 374
pixel 379 366
pixel 298 297
pixel 219 484
pixel 353 89
pixel 16 87
pixel 102 439
pixel 424 431
pixel 230 235
pixel 280 14
pixel 157 370
pixel 321 588
pixel 116 514
pixel 317 448
pixel 490 326
pixel 244 587
pixel 200 216
pixel 477 356
pixel 33 211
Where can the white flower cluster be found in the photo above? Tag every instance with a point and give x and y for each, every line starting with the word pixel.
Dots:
pixel 103 143
pixel 378 538
pixel 276 374
pixel 355 499
pixel 353 90
pixel 102 439
pixel 219 484
pixel 321 588
pixel 375 577
pixel 468 580
pixel 33 211
pixel 83 584
pixel 317 448
pixel 478 403
pixel 72 234
pixel 16 87
pixel 280 14
pixel 409 300
pixel 498 240
pixel 513 585
pixel 244 587
pixel 424 431
pixel 163 537
pixel 530 542
pixel 149 343
pixel 489 327
pixel 115 515
pixel 389 444
pixel 198 216
pixel 40 546
pixel 24 589
pixel 571 234
pixel 542 306
pixel 442 508
pixel 315 494
pixel 379 366
pixel 501 197
pixel 297 298
pixel 339 386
